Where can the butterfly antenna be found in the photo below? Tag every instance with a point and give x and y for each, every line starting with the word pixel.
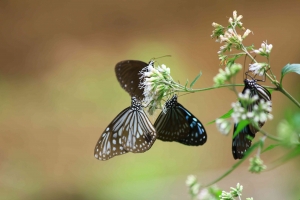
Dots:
pixel 162 57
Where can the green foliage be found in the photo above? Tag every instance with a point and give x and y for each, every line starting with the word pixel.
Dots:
pixel 242 124
pixel 195 80
pixel 226 115
pixel 288 69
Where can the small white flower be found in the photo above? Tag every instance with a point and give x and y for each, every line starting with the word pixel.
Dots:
pixel 234 14
pixel 246 33
pixel 239 18
pixel 215 25
pixel 191 179
pixel 258 68
pixel 223 126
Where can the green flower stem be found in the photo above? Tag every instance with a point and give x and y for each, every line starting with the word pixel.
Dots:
pixel 283 91
pixel 266 134
pixel 209 88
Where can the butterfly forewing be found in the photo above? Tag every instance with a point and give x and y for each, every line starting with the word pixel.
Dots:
pixel 130 131
pixel 127 73
pixel 110 144
pixel 179 125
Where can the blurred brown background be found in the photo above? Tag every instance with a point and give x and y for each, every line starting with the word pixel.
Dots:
pixel 58 93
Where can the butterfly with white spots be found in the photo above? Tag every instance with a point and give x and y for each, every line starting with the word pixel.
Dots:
pixel 130 131
pixel 179 125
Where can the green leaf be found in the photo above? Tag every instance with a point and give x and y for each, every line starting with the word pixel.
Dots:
pixel 271 90
pixel 187 81
pixel 226 115
pixel 240 127
pixel 194 81
pixel 289 68
pixel 271 146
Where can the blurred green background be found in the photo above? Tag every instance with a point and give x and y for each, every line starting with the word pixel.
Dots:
pixel 59 92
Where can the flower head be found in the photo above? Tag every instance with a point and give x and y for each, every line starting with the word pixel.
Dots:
pixel 265 49
pixel 156 83
pixel 223 126
pixel 226 74
pixel 256 165
pixel 258 68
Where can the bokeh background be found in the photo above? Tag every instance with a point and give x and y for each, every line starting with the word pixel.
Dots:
pixel 59 92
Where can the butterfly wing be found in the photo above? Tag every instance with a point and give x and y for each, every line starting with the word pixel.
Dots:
pixel 130 131
pixel 110 143
pixel 127 73
pixel 179 125
pixel 197 134
pixel 171 126
pixel 138 134
pixel 241 142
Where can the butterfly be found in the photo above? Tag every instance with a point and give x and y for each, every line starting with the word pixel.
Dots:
pixel 130 131
pixel 242 142
pixel 179 125
pixel 127 73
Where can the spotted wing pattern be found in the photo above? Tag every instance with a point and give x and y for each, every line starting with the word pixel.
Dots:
pixel 242 142
pixel 130 131
pixel 179 125
pixel 127 73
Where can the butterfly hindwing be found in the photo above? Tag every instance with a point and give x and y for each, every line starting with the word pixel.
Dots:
pixel 130 131
pixel 138 134
pixel 197 134
pixel 179 125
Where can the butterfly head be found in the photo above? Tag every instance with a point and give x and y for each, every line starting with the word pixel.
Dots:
pixel 135 104
pixel 250 83
pixel 151 62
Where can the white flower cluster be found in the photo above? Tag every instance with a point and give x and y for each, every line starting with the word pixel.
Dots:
pixel 260 111
pixel 260 68
pixel 155 81
pixel 265 49
pixel 229 36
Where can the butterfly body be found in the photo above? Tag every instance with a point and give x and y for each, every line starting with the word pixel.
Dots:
pixel 130 131
pixel 242 141
pixel 179 125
